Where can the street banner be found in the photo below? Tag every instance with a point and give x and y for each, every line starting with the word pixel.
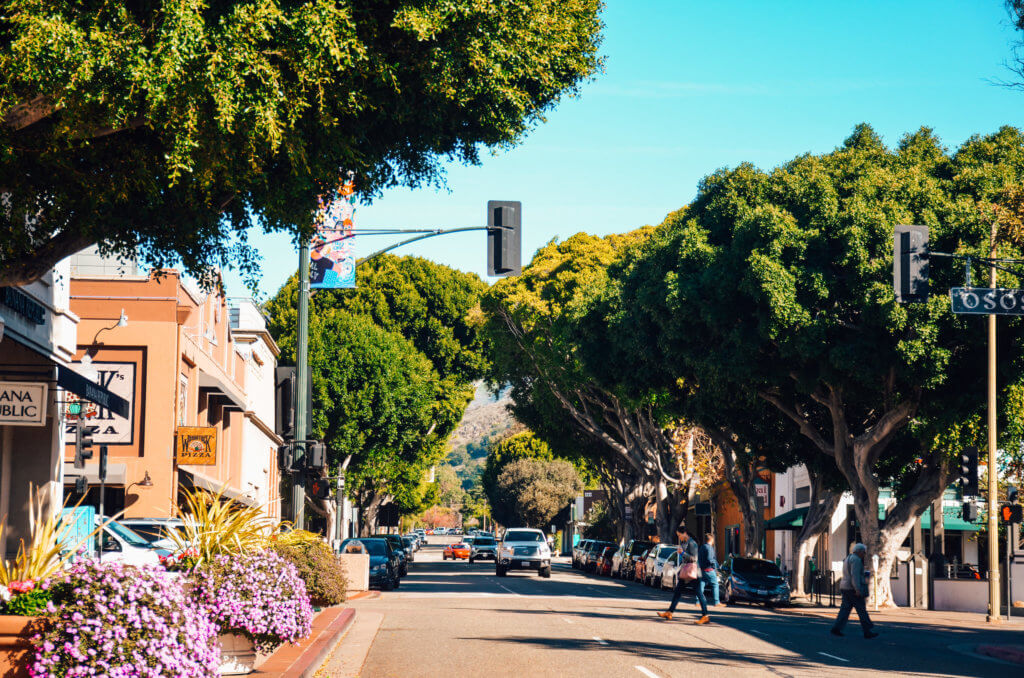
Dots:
pixel 987 301
pixel 332 251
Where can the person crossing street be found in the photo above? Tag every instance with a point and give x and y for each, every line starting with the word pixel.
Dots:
pixel 688 553
pixel 854 588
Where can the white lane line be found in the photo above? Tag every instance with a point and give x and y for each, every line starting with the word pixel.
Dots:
pixel 600 642
pixel 835 657
pixel 647 672
pixel 760 633
pixel 502 586
pixel 566 620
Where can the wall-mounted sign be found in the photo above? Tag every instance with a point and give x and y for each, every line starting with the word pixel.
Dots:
pixel 107 426
pixel 197 445
pixel 762 491
pixel 21 303
pixel 22 403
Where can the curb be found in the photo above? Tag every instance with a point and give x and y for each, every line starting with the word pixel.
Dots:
pixel 1008 653
pixel 305 659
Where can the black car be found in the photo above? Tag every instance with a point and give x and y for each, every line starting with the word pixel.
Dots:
pixel 752 580
pixel 483 548
pixel 635 551
pixel 578 550
pixel 404 556
pixel 383 562
pixel 593 552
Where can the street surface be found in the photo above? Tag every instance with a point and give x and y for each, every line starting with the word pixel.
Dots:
pixel 452 619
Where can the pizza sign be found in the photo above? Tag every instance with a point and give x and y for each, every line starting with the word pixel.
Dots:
pixel 197 445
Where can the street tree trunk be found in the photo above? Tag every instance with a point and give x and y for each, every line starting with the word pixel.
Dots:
pixel 817 522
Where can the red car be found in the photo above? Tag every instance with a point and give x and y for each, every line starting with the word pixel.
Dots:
pixel 458 551
pixel 604 561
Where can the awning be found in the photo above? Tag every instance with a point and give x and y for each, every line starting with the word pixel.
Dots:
pixel 790 520
pixel 951 520
pixel 191 479
pixel 116 473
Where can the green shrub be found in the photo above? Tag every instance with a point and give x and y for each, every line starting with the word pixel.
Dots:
pixel 320 568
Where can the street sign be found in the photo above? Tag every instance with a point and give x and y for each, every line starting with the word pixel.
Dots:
pixel 987 301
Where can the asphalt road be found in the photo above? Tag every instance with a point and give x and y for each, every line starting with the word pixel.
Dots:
pixel 456 619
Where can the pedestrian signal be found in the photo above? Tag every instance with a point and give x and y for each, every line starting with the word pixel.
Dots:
pixel 320 488
pixel 1011 513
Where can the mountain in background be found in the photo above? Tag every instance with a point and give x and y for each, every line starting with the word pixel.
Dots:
pixel 486 419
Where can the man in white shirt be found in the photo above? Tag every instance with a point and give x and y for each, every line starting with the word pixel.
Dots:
pixel 854 587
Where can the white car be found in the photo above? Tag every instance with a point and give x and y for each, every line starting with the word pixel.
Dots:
pixel 154 530
pixel 523 548
pixel 655 563
pixel 122 545
pixel 669 571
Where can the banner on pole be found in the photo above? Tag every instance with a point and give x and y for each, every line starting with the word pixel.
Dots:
pixel 332 251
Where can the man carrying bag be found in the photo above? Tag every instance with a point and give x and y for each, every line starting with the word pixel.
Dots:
pixel 688 572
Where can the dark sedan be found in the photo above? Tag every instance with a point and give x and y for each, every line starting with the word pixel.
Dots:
pixel 752 580
pixel 383 563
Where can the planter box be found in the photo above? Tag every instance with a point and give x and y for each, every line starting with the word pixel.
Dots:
pixel 238 655
pixel 16 647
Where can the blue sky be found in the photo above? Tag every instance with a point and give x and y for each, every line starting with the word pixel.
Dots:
pixel 690 87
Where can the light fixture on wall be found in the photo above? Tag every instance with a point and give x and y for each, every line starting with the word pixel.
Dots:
pixel 86 369
pixel 145 482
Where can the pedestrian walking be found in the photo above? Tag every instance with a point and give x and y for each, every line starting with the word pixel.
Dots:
pixel 854 588
pixel 688 554
pixel 708 564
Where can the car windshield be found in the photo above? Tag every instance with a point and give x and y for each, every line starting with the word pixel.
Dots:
pixel 375 547
pixel 639 547
pixel 523 535
pixel 150 532
pixel 483 541
pixel 127 535
pixel 666 551
pixel 408 541
pixel 755 566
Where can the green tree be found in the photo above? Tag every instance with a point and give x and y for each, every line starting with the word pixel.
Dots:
pixel 163 130
pixel 533 491
pixel 779 285
pixel 523 445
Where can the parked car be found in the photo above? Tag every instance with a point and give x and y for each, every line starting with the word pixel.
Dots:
pixel 410 547
pixel 456 551
pixel 604 561
pixel 593 552
pixel 523 548
pixel 655 561
pixel 398 546
pixel 483 547
pixel 383 563
pixel 670 571
pixel 640 568
pixel 620 553
pixel 154 530
pixel 577 552
pixel 634 553
pixel 752 580
pixel 120 544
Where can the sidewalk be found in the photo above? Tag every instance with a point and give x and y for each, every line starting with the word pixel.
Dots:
pixel 939 620
pixel 305 657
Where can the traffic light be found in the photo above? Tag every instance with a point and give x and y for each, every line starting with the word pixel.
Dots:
pixel 103 462
pixel 910 264
pixel 1011 513
pixel 504 237
pixel 968 471
pixel 285 457
pixel 316 455
pixel 83 444
pixel 319 488
pixel 970 512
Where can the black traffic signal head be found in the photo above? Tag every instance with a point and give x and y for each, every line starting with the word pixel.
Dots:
pixel 316 456
pixel 967 471
pixel 1012 494
pixel 285 458
pixel 910 264
pixel 319 488
pixel 83 444
pixel 970 512
pixel 504 237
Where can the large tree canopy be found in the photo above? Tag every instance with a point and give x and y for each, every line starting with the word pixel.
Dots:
pixel 535 491
pixel 163 129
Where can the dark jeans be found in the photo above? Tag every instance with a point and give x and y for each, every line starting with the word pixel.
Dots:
pixel 706 579
pixel 851 600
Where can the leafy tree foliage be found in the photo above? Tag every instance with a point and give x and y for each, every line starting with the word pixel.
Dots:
pixel 778 285
pixel 523 445
pixel 164 129
pixel 531 492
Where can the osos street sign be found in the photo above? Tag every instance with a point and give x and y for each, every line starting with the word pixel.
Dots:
pixel 987 301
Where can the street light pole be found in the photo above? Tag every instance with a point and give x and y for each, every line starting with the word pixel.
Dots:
pixel 301 390
pixel 993 510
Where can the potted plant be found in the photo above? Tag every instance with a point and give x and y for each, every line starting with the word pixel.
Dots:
pixel 257 600
pixel 117 619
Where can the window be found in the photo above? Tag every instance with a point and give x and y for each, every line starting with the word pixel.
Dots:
pixel 803 495
pixel 182 400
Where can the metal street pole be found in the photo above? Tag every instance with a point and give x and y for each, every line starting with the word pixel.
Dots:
pixel 993 524
pixel 301 390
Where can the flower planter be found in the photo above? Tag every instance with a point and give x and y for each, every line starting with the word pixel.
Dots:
pixel 16 647
pixel 238 655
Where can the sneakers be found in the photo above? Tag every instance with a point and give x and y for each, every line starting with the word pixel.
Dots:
pixel 871 634
pixel 665 615
pixel 705 619
pixel 836 632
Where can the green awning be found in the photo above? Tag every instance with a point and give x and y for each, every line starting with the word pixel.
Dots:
pixel 951 520
pixel 790 520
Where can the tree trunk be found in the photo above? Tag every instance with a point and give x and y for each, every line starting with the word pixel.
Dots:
pixel 368 514
pixel 817 522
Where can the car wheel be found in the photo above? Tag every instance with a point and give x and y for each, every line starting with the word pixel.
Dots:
pixel 388 584
pixel 500 571
pixel 471 557
pixel 656 583
pixel 546 572
pixel 728 597
pixel 398 582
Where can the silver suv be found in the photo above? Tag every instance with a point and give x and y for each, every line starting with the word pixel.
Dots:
pixel 523 548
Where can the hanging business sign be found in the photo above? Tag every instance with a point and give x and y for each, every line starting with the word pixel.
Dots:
pixel 197 445
pixel 987 301
pixel 332 251
pixel 762 491
pixel 107 424
pixel 22 403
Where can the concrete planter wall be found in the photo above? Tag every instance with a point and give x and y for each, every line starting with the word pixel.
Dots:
pixel 357 570
pixel 16 648
pixel 238 655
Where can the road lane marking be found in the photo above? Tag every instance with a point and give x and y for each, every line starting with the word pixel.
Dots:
pixel 502 586
pixel 760 633
pixel 835 657
pixel 600 642
pixel 647 672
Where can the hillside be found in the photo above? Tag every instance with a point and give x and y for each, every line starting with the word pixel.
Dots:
pixel 486 418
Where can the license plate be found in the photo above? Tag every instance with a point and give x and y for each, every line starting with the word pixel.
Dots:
pixel 762 592
pixel 525 566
